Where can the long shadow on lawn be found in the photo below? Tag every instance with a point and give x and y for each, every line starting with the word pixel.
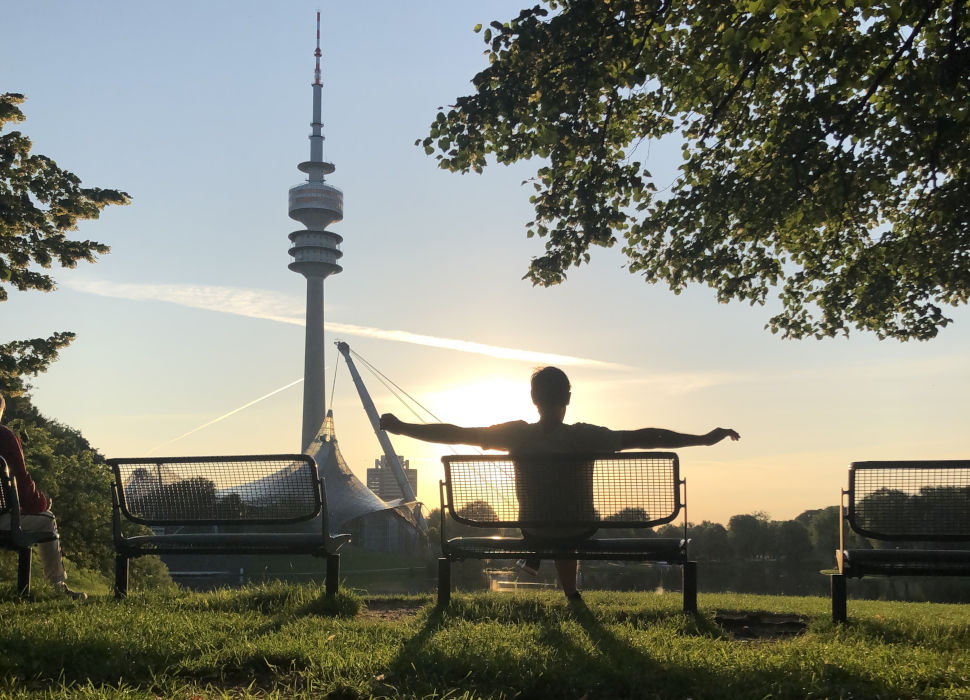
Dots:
pixel 559 665
pixel 614 660
pixel 624 668
pixel 617 667
pixel 401 667
pixel 40 661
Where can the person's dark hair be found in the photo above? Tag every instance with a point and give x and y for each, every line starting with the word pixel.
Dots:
pixel 550 387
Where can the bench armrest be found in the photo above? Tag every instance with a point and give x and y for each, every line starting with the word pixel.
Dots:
pixel 11 498
pixel 116 519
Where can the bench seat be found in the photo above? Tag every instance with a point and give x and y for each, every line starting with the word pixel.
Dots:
pixel 670 550
pixel 227 542
pixel 905 562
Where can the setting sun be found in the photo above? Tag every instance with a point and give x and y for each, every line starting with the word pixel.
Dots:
pixel 483 401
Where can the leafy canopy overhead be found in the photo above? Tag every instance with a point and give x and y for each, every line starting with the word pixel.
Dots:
pixel 826 149
pixel 40 204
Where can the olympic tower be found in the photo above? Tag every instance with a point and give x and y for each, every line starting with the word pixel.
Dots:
pixel 315 252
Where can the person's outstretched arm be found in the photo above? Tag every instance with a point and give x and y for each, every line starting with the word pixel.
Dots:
pixel 654 438
pixel 444 433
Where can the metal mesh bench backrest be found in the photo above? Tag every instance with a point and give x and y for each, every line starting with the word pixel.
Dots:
pixel 271 489
pixel 910 500
pixel 615 490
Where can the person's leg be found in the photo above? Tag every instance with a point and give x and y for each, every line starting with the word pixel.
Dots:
pixel 50 552
pixel 568 570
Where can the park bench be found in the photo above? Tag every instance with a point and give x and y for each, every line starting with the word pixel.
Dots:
pixel 921 509
pixel 254 504
pixel 12 535
pixel 582 494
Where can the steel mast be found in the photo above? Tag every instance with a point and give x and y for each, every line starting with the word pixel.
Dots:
pixel 392 459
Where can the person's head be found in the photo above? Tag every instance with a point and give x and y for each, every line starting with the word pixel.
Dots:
pixel 550 391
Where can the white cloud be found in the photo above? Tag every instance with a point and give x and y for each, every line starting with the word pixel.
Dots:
pixel 284 308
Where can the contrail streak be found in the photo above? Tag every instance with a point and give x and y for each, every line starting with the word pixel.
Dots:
pixel 278 307
pixel 469 346
pixel 225 415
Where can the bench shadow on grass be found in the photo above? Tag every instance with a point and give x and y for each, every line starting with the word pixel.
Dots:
pixel 563 665
pixel 634 670
pixel 619 667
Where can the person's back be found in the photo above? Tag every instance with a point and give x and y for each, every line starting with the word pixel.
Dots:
pixel 551 394
pixel 32 501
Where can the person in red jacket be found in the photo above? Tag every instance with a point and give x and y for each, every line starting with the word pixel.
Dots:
pixel 35 510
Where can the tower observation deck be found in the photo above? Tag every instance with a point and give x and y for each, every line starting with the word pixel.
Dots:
pixel 315 252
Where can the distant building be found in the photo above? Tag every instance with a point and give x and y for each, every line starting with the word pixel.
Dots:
pixel 381 479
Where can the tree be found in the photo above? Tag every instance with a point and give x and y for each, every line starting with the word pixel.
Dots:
pixel 823 531
pixel 709 541
pixel 791 541
pixel 826 149
pixel 748 535
pixel 479 511
pixel 475 511
pixel 40 204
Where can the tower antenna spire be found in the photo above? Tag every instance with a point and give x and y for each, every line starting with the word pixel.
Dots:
pixel 316 250
pixel 316 71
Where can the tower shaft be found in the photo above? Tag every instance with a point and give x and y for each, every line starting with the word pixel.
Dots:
pixel 314 374
pixel 315 252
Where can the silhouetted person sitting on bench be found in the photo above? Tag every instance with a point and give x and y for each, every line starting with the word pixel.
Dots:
pixel 551 392
pixel 35 511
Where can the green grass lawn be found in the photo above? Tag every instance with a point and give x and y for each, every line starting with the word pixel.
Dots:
pixel 283 641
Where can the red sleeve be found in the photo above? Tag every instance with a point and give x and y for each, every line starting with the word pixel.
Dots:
pixel 31 500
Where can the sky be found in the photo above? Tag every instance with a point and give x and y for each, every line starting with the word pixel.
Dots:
pixel 189 333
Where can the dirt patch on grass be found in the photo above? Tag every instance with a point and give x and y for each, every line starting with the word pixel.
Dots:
pixel 391 609
pixel 760 626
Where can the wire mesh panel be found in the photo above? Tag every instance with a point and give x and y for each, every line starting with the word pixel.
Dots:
pixel 613 490
pixel 218 490
pixel 910 500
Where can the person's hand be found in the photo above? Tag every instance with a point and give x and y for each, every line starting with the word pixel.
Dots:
pixel 390 423
pixel 718 434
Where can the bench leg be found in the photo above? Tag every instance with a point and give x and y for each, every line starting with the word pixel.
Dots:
pixel 121 577
pixel 333 575
pixel 444 581
pixel 23 572
pixel 690 586
pixel 838 588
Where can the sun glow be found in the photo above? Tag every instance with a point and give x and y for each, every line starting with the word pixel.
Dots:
pixel 483 401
